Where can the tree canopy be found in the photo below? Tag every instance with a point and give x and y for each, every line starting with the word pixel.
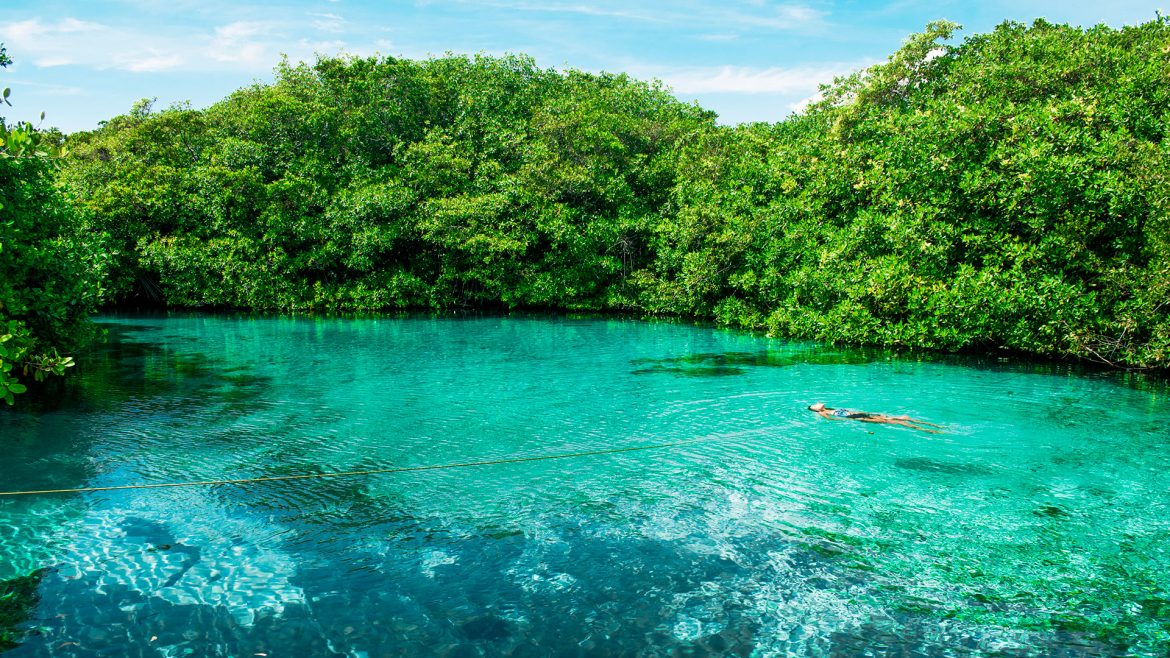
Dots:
pixel 1006 193
pixel 365 184
pixel 50 272
pixel 1010 192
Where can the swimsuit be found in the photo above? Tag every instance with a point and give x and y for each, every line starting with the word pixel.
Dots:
pixel 850 413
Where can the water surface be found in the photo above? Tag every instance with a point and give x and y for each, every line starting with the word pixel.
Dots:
pixel 1035 525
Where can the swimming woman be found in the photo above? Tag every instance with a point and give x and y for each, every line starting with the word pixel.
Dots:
pixel 866 417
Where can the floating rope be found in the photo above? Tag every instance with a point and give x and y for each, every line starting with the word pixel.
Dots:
pixel 376 471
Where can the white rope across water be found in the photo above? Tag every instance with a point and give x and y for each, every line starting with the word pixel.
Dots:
pixel 374 471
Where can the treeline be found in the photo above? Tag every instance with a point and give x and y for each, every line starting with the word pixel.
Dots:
pixel 51 269
pixel 1011 192
pixel 1008 193
pixel 368 184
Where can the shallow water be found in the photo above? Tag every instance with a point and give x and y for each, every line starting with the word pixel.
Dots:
pixel 1035 525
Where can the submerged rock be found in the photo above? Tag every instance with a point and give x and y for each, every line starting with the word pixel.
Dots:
pixel 18 598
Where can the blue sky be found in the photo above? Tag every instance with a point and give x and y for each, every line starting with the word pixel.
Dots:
pixel 749 60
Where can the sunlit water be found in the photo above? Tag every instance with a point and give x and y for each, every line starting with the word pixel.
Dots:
pixel 1036 524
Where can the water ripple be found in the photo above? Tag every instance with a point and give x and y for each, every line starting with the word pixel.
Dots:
pixel 1035 525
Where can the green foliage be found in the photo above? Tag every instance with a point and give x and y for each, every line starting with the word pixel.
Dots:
pixel 1006 193
pixel 50 272
pixel 365 184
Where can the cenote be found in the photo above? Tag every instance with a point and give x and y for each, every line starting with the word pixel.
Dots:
pixel 1037 524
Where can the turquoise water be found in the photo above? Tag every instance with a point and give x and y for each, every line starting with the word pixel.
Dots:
pixel 1035 525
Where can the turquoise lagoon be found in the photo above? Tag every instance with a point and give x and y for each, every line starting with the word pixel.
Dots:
pixel 1036 524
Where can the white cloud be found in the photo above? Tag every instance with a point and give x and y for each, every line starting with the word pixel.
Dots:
pixel 51 44
pixel 238 44
pixel 242 30
pixel 621 11
pixel 50 61
pixel 247 46
pixel 33 35
pixel 802 104
pixel 328 22
pixel 783 17
pixel 712 16
pixel 150 62
pixel 802 80
pixel 74 42
pixel 801 13
pixel 307 48
pixel 47 89
pixel 73 25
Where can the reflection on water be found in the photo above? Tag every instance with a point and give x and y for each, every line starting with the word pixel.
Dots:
pixel 1036 525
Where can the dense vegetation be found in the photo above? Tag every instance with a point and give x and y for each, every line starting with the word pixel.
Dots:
pixel 372 184
pixel 1009 192
pixel 50 272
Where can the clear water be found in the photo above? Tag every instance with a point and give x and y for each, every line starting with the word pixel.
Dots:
pixel 1035 525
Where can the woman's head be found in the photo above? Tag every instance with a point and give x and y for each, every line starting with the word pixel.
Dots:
pixel 820 406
